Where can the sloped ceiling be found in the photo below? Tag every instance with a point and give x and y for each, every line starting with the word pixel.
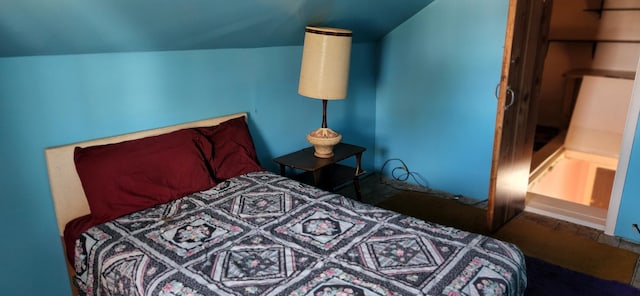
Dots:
pixel 43 27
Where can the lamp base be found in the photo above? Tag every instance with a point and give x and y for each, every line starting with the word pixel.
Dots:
pixel 323 140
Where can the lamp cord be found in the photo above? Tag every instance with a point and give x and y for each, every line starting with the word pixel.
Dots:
pixel 405 173
pixel 419 180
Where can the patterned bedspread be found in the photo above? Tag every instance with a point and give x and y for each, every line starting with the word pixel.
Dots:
pixel 263 234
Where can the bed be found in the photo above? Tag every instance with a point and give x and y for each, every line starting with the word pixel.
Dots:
pixel 244 230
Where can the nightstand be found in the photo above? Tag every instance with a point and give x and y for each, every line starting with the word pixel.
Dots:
pixel 325 173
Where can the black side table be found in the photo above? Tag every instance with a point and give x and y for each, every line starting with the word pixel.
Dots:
pixel 325 173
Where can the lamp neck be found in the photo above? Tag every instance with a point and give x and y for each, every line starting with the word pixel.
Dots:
pixel 324 113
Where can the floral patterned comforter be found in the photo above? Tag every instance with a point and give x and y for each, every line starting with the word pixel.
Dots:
pixel 263 234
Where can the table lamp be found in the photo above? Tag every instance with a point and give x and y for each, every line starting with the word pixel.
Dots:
pixel 324 75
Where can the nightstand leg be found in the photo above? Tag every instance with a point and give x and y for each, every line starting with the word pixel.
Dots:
pixel 316 177
pixel 356 177
pixel 356 185
pixel 282 170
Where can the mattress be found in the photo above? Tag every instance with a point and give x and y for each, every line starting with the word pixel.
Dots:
pixel 264 234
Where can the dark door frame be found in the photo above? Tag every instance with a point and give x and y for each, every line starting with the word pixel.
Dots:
pixel 522 63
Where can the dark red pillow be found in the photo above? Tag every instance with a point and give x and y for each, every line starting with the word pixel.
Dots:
pixel 125 177
pixel 233 151
pixel 72 232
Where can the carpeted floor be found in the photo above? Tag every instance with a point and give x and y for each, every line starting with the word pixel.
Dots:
pixel 570 251
pixel 544 279
pixel 534 239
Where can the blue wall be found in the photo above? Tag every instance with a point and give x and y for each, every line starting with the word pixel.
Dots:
pixel 53 100
pixel 630 204
pixel 435 104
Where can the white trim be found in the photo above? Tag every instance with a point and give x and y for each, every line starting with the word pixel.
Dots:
pixel 625 154
pixel 567 211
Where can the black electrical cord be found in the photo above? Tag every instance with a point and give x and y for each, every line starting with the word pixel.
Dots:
pixel 479 202
pixel 405 173
pixel 418 179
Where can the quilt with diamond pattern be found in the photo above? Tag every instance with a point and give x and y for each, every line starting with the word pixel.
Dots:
pixel 263 234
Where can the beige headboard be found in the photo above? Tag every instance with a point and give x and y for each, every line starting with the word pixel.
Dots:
pixel 68 196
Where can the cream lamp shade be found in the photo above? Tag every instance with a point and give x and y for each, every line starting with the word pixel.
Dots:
pixel 324 74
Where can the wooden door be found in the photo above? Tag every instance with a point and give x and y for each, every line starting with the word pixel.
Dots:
pixel 524 52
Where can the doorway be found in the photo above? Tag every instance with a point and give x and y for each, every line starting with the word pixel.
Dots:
pixel 591 58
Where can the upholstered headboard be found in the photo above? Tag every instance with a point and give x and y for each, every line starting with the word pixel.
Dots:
pixel 69 199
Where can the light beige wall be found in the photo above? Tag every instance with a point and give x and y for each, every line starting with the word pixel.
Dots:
pixel 561 58
pixel 571 21
pixel 617 56
pixel 619 3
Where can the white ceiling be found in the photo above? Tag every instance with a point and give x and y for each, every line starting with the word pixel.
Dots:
pixel 52 27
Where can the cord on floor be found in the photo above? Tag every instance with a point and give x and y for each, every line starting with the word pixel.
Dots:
pixel 401 174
